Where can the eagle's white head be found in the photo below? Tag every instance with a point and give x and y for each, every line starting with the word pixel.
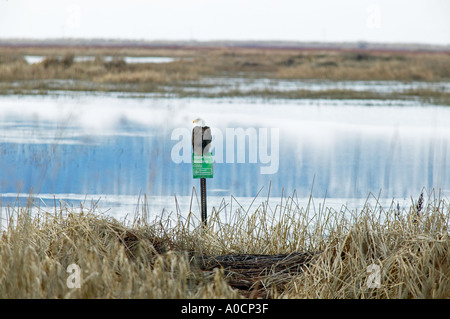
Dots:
pixel 199 122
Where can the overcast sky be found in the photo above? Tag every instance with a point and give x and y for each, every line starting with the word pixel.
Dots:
pixel 405 21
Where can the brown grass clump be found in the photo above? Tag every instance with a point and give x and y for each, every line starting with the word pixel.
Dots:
pixel 367 66
pixel 115 261
pixel 401 257
pixel 156 76
pixel 263 252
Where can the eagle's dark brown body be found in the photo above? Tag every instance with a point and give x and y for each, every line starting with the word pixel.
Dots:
pixel 201 139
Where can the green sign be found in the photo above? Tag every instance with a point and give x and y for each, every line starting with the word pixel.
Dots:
pixel 202 165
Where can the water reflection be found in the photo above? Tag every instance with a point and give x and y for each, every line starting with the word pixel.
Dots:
pixel 224 84
pixel 119 145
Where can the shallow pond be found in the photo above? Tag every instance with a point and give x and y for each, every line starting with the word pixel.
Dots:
pixel 33 59
pixel 79 147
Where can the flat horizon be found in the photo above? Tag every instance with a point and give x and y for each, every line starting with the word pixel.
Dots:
pixel 286 44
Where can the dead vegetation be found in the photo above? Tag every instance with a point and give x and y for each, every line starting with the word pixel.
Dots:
pixel 195 63
pixel 285 252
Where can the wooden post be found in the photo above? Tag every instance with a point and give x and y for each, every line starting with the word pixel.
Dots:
pixel 203 200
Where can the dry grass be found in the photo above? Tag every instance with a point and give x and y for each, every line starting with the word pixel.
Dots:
pixel 381 66
pixel 115 261
pixel 196 63
pixel 97 71
pixel 157 259
pixel 412 259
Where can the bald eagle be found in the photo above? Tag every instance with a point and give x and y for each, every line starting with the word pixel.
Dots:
pixel 201 137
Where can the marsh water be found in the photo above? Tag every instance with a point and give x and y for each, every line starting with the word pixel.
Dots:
pixel 112 149
pixel 32 59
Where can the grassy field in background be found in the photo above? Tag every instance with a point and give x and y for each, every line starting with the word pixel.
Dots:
pixel 144 258
pixel 60 71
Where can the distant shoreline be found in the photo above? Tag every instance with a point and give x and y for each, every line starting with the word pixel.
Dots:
pixel 218 44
